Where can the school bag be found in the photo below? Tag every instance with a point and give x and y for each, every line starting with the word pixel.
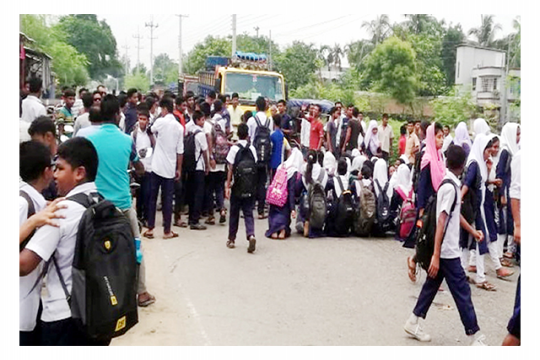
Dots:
pixel 365 211
pixel 31 211
pixel 417 168
pixel 425 236
pixel 407 214
pixel 345 210
pixel 221 145
pixel 245 173
pixel 103 297
pixel 470 205
pixel 383 205
pixel 262 142
pixel 317 203
pixel 190 158
pixel 278 191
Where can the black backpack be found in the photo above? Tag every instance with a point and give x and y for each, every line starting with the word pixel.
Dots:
pixel 417 168
pixel 425 236
pixel 383 206
pixel 31 211
pixel 345 210
pixel 190 158
pixel 245 173
pixel 262 142
pixel 103 297
pixel 317 203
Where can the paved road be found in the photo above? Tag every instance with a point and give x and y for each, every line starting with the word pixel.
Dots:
pixel 296 292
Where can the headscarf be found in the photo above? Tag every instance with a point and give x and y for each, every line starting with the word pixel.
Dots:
pixel 509 138
pixel 403 179
pixel 315 175
pixel 355 153
pixel 447 142
pixel 358 162
pixel 462 135
pixel 294 163
pixel 380 173
pixel 433 158
pixel 481 127
pixel 477 154
pixel 330 163
pixel 371 142
pixel 405 159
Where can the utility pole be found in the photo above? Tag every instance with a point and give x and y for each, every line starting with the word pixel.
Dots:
pixel 180 72
pixel 138 37
pixel 151 25
pixel 270 52
pixel 257 30
pixel 233 35
pixel 504 106
pixel 126 48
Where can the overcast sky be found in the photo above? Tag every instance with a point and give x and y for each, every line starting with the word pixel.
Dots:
pixel 287 27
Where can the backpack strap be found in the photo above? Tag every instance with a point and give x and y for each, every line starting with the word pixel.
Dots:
pixel 448 181
pixel 31 211
pixel 321 176
pixel 61 278
pixel 257 120
pixel 86 200
pixel 194 142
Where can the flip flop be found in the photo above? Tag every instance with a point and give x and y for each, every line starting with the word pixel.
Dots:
pixel 486 286
pixel 147 235
pixel 148 302
pixel 505 277
pixel 173 235
pixel 181 224
pixel 411 270
pixel 507 263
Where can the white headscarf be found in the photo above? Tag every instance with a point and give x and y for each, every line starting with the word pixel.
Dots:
pixel 403 178
pixel 405 159
pixel 358 162
pixel 380 173
pixel 355 153
pixel 294 163
pixel 477 154
pixel 481 127
pixel 372 142
pixel 330 163
pixel 509 138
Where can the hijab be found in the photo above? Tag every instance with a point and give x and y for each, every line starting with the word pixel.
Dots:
pixel 372 142
pixel 509 138
pixel 477 154
pixel 355 153
pixel 380 173
pixel 294 163
pixel 358 162
pixel 403 179
pixel 481 127
pixel 433 158
pixel 462 135
pixel 330 163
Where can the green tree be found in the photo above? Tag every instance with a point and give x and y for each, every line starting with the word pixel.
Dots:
pixel 256 44
pixel 454 108
pixel 142 69
pixel 452 38
pixel 379 28
pixel 429 66
pixel 391 69
pixel 297 63
pixel 138 81
pixel 422 23
pixel 210 46
pixel 94 39
pixel 165 70
pixel 485 33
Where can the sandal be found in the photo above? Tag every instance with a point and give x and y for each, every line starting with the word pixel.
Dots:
pixel 508 255
pixel 149 234
pixel 151 299
pixel 505 275
pixel 506 263
pixel 181 224
pixel 230 244
pixel 472 269
pixel 210 221
pixel 486 286
pixel 411 269
pixel 172 235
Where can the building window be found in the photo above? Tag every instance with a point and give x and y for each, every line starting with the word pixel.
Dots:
pixel 485 84
pixel 458 69
pixel 494 84
pixel 474 84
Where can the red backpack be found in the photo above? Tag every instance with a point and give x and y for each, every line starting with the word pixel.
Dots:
pixel 407 215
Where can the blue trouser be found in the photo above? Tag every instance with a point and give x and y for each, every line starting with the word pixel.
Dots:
pixel 195 194
pixel 247 209
pixel 143 196
pixel 451 271
pixel 262 177
pixel 167 191
pixel 514 325
pixel 215 184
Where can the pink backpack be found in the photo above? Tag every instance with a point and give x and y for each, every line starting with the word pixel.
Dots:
pixel 277 191
pixel 221 145
pixel 407 215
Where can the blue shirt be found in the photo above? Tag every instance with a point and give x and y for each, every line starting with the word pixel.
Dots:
pixel 277 148
pixel 115 150
pixel 131 118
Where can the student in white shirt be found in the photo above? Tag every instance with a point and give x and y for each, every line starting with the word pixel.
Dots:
pixel 94 115
pixel 195 179
pixel 236 115
pixel 445 262
pixel 83 120
pixel 32 107
pixel 35 170
pixel 166 166
pixel 386 137
pixel 76 169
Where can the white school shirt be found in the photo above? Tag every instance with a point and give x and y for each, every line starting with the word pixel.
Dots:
pixel 143 142
pixel 29 301
pixel 201 144
pixel 337 187
pixel 169 135
pixel 252 124
pixel 48 240
pixel 305 132
pixel 445 198
pixel 89 130
pixel 23 131
pixel 515 166
pixel 385 137
pixel 208 129
pixel 81 122
pixel 231 156
pixel 32 108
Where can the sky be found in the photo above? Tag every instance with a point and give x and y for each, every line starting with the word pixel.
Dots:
pixel 285 28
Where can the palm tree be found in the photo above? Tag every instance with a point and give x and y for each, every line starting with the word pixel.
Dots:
pixel 515 44
pixel 357 52
pixel 486 32
pixel 337 53
pixel 379 28
pixel 325 53
pixel 418 23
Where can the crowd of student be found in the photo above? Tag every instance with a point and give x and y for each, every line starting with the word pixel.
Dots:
pixel 190 154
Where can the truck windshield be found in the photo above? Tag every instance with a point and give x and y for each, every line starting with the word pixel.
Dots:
pixel 251 86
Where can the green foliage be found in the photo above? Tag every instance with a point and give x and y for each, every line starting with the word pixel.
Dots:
pixel 94 39
pixel 452 38
pixel 454 108
pixel 379 29
pixel 138 81
pixel 485 33
pixel 69 65
pixel 392 69
pixel 258 45
pixel 210 46
pixel 429 67
pixel 142 69
pixel 165 70
pixel 297 63
pixel 357 52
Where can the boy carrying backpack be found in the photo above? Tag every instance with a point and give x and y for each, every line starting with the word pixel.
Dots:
pixel 91 266
pixel 443 214
pixel 342 214
pixel 365 211
pixel 242 161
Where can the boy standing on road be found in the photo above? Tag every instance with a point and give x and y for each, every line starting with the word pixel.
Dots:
pixel 445 262
pixel 386 137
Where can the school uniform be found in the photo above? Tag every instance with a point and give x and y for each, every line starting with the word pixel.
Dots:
pixel 196 179
pixel 330 225
pixel 262 169
pixel 450 268
pixel 237 203
pixel 386 136
pixel 143 144
pixel 58 327
pixel 32 108
pixel 29 285
pixel 505 228
pixel 302 187
pixel 514 325
pixel 215 180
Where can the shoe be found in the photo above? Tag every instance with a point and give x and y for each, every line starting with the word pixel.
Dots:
pixel 222 217
pixel 416 332
pixel 197 227
pixel 252 242
pixel 479 341
pixel 210 221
